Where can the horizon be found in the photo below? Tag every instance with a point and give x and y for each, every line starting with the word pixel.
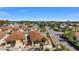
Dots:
pixel 39 13
pixel 41 20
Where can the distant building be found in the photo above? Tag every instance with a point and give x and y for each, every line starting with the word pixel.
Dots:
pixel 77 36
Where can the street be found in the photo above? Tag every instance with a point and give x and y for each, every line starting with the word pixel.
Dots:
pixel 61 41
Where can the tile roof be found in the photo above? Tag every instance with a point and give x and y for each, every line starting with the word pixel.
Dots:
pixel 8 28
pixel 15 36
pixel 77 34
pixel 2 34
pixel 34 35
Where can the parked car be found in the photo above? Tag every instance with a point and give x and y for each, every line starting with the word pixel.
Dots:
pixel 62 40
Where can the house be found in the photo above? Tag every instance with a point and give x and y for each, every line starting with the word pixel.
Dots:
pixel 77 36
pixel 30 27
pixel 34 38
pixel 34 35
pixel 9 28
pixel 62 25
pixel 16 38
pixel 2 34
pixel 2 37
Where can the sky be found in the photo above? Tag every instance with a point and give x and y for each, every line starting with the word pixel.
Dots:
pixel 39 13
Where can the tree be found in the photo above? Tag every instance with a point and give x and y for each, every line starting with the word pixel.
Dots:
pixel 42 43
pixel 75 27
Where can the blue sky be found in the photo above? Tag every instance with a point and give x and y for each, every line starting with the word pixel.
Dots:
pixel 39 13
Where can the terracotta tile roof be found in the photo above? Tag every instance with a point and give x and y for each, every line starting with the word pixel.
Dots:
pixel 2 34
pixel 15 36
pixel 77 34
pixel 8 28
pixel 34 35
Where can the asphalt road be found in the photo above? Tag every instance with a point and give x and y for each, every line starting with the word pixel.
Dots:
pixel 56 36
